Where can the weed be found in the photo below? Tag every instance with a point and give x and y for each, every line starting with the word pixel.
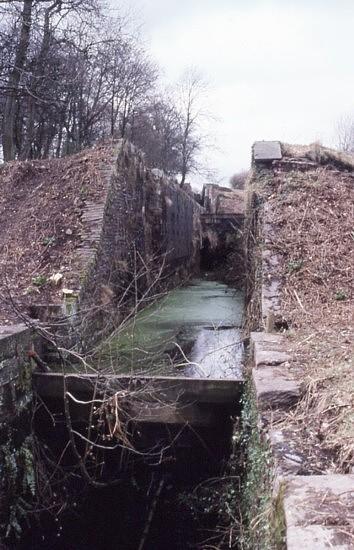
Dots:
pixel 84 191
pixel 39 280
pixel 31 290
pixel 19 484
pixel 340 295
pixel 262 518
pixel 49 241
pixel 295 265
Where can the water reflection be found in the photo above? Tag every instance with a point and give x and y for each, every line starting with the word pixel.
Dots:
pixel 193 331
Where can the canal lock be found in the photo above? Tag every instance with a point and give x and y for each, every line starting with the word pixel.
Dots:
pixel 173 487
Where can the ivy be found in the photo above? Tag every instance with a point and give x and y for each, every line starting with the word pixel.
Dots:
pixel 263 522
pixel 18 484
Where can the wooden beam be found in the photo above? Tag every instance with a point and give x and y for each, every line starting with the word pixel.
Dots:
pixel 170 389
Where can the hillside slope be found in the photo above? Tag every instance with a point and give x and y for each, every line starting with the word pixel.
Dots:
pixel 309 212
pixel 41 204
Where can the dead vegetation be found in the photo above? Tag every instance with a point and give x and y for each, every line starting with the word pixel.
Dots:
pixel 320 155
pixel 313 216
pixel 41 204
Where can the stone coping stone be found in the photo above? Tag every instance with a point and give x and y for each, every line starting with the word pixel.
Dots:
pixel 270 306
pixel 267 337
pixel 295 164
pixel 268 349
pixel 264 151
pixel 272 259
pixel 274 385
pixel 288 457
pixel 319 512
pixel 317 537
pixel 271 288
pixel 275 389
pixel 12 330
pixel 11 336
pixel 265 355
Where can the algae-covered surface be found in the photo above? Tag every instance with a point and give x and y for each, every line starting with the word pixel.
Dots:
pixel 193 331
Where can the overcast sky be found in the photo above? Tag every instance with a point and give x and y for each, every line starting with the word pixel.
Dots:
pixel 278 69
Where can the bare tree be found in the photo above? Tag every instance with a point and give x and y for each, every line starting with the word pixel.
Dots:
pixel 192 90
pixel 8 139
pixel 345 134
pixel 132 81
pixel 71 76
pixel 30 71
pixel 238 180
pixel 156 130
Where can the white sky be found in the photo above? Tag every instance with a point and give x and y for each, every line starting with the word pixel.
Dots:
pixel 278 69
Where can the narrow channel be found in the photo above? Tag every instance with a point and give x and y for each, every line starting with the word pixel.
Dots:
pixel 201 319
pixel 162 501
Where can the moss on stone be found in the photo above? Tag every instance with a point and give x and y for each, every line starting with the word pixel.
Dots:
pixel 262 515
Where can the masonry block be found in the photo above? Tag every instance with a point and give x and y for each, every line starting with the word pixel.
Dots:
pixel 275 389
pixel 318 511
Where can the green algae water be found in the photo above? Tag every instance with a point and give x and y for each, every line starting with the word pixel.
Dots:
pixel 193 331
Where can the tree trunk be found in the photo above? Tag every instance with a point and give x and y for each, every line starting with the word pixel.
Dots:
pixel 183 176
pixel 8 138
pixel 184 167
pixel 38 75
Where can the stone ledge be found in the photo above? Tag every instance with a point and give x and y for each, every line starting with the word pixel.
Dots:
pixel 268 349
pixel 266 151
pixel 288 459
pixel 274 385
pixel 267 338
pixel 274 388
pixel 12 336
pixel 316 537
pixel 266 357
pixel 12 330
pixel 15 342
pixel 271 282
pixel 318 510
pixel 288 164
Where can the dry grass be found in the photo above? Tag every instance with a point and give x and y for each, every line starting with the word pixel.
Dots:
pixel 319 154
pixel 313 216
pixel 41 206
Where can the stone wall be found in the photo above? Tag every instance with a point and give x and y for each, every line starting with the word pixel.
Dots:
pixel 142 234
pixel 222 224
pixel 223 200
pixel 15 370
pixel 17 478
pixel 304 503
pixel 145 234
